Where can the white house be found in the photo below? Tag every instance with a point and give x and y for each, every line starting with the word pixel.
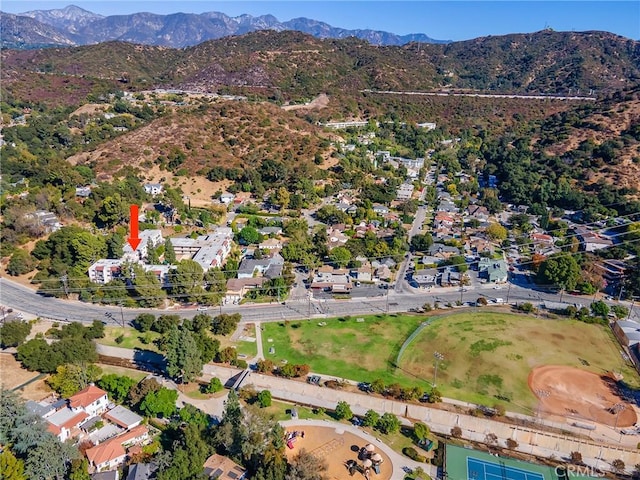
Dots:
pixel 111 454
pixel 227 198
pixel 153 188
pixel 91 400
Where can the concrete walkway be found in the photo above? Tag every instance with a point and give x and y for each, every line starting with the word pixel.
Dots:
pixel 397 460
pixel 260 351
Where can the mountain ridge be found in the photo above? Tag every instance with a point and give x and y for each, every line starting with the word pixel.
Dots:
pixel 177 30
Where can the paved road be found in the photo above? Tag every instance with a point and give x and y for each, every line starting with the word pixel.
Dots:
pixel 29 302
pixel 416 226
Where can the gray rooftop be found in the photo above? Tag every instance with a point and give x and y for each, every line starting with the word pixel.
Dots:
pixel 38 408
pixel 141 471
pixel 123 416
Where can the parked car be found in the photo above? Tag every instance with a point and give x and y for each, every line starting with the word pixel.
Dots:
pixel 364 386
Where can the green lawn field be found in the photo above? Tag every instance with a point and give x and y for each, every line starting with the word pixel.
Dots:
pixel 344 347
pixel 487 355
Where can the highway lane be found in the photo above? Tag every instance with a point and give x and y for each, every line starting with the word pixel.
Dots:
pixel 27 301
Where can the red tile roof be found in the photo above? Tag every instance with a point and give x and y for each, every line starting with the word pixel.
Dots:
pixel 112 448
pixel 86 397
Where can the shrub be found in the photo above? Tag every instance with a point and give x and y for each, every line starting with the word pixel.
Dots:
pixel 371 418
pixel 265 366
pixel 413 454
pixel 264 398
pixel 456 432
pixel 343 411
pixel 214 386
pixel 119 339
pixel 388 423
pixel 511 443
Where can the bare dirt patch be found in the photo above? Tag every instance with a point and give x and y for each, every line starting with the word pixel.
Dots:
pixel 321 101
pixel 335 446
pixel 12 375
pixel 575 393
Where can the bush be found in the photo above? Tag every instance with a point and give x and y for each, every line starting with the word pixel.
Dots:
pixel 413 454
pixel 265 366
pixel 264 398
pixel 511 443
pixel 214 386
pixel 343 411
pixel 456 432
pixel 388 423
pixel 240 363
pixel 119 339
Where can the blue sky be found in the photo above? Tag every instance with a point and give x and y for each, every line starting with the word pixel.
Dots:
pixel 446 20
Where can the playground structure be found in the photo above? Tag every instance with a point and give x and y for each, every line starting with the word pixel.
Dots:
pixel 343 451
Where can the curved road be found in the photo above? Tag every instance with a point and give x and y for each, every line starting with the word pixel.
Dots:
pixel 29 302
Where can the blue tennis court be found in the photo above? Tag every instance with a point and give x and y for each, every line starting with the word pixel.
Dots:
pixel 485 470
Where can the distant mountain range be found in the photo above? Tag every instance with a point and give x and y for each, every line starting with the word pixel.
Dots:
pixel 74 26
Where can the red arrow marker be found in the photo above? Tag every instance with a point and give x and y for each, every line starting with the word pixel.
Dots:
pixel 133 239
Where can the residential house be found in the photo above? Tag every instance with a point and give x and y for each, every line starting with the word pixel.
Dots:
pixel 267 231
pixel 383 272
pixel 478 212
pixel 363 273
pixel 46 221
pixel 443 219
pixel 153 188
pixel 83 192
pixel 495 271
pixel 237 288
pixel 271 244
pixel 478 245
pixel 108 475
pixel 443 251
pixel 405 191
pixel 223 468
pixel 91 400
pixel 336 237
pixel 227 198
pixel 591 241
pixel 141 471
pixel 614 271
pixel 65 423
pixel 381 209
pixel 123 417
pixel 541 242
pixel 111 453
pixel 269 267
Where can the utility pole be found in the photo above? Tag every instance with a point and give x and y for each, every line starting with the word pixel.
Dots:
pixel 65 286
pixel 508 292
pixel 387 299
pixel 121 314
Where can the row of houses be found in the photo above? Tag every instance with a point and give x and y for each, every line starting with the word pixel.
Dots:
pixel 88 417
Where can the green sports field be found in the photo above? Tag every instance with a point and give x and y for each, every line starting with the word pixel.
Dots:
pixel 487 355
